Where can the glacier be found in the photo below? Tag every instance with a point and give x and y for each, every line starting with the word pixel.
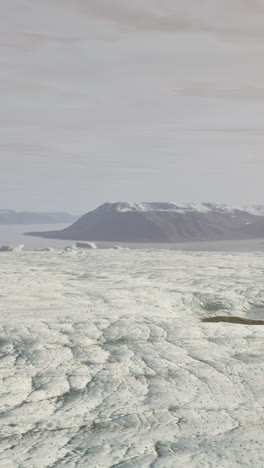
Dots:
pixel 105 361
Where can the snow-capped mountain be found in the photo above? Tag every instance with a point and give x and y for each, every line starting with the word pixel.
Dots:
pixel 165 222
pixel 180 207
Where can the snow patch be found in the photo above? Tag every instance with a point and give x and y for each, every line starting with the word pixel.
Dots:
pixel 180 207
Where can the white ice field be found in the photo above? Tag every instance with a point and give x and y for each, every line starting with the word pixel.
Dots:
pixel 105 362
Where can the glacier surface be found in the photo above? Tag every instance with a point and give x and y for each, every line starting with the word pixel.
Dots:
pixel 105 362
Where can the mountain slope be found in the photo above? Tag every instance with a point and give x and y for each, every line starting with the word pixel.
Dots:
pixel 164 222
pixel 25 217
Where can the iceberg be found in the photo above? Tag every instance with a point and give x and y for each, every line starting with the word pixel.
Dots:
pixel 9 248
pixel 85 245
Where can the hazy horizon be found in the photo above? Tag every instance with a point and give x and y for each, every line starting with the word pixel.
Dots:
pixel 235 205
pixel 108 101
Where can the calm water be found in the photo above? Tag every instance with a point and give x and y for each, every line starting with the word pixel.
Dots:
pixel 13 234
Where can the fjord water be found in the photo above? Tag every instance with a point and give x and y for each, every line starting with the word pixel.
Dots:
pixel 13 235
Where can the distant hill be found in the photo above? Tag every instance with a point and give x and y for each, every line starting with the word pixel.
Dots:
pixel 164 222
pixel 25 217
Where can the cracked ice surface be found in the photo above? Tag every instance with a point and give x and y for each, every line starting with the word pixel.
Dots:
pixel 105 363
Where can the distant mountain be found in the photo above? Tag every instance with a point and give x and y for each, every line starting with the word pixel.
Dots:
pixel 164 222
pixel 25 217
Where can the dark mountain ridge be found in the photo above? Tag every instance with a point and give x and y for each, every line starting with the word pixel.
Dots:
pixel 164 222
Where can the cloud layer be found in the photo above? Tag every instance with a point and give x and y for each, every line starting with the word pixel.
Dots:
pixel 150 101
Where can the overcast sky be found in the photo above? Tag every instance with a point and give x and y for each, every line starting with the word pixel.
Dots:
pixel 102 100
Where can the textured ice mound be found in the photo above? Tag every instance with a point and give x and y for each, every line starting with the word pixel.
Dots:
pixel 85 245
pixel 14 248
pixel 80 245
